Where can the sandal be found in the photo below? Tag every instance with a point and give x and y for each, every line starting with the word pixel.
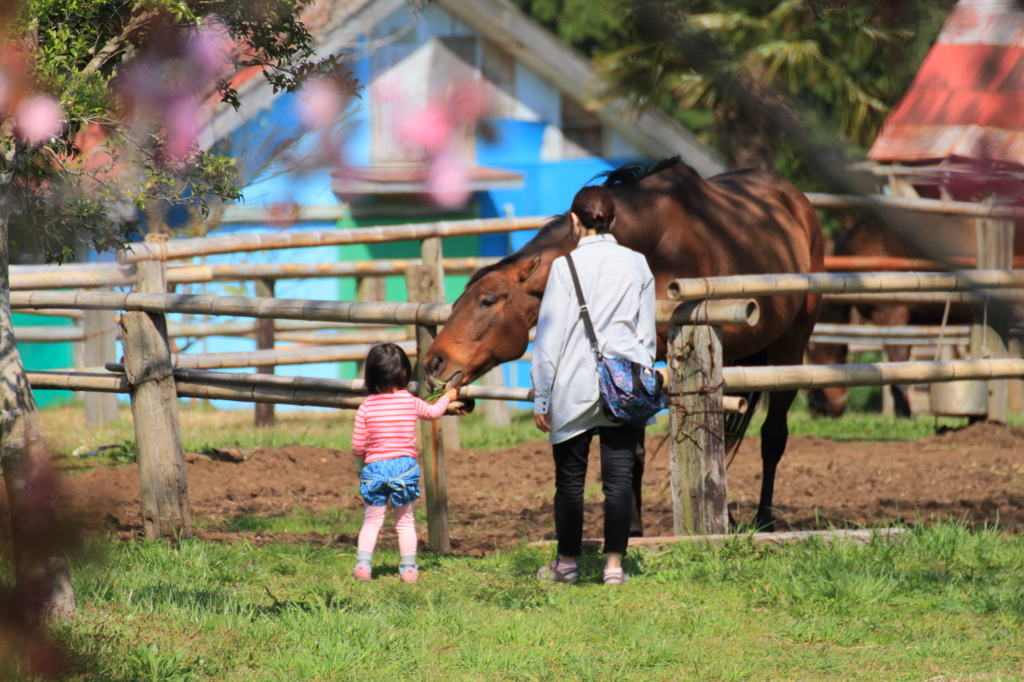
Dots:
pixel 362 572
pixel 619 577
pixel 552 573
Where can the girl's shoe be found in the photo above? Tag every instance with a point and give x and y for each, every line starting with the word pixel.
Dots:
pixel 362 572
pixel 556 573
pixel 619 577
pixel 409 574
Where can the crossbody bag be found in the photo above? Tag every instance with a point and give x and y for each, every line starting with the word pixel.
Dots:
pixel 631 393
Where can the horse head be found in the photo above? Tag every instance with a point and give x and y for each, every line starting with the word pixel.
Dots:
pixel 490 322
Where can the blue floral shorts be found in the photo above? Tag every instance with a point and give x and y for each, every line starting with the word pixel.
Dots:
pixel 395 479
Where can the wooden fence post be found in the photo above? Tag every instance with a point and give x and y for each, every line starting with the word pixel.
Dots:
pixel 99 348
pixel 697 443
pixel 426 283
pixel 990 332
pixel 495 411
pixel 264 412
pixel 147 361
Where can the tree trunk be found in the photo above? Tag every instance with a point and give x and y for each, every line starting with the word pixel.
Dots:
pixel 43 579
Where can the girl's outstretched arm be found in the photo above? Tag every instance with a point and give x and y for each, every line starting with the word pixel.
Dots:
pixel 425 410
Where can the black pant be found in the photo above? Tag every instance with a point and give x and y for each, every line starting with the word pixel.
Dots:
pixel 618 458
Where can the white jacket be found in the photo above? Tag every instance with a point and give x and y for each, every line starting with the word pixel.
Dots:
pixel 619 290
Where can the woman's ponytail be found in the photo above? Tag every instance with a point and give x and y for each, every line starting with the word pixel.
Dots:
pixel 595 208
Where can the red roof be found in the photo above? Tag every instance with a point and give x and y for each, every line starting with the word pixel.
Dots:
pixel 967 100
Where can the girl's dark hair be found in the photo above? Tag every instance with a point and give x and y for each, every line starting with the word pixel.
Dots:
pixel 387 369
pixel 595 208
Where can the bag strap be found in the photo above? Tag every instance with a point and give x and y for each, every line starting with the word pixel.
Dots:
pixel 588 326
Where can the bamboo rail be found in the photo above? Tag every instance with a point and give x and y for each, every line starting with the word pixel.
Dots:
pixel 846 283
pixel 92 278
pixel 270 388
pixel 745 379
pixel 201 329
pixel 97 275
pixel 56 312
pixel 962 208
pixel 190 248
pixel 878 343
pixel 894 331
pixel 342 338
pixel 277 358
pixel 928 298
pixel 718 313
pixel 48 334
pixel 393 314
pixel 893 264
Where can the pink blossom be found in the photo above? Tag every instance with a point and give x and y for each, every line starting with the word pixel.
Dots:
pixel 320 103
pixel 430 129
pixel 181 117
pixel 5 90
pixel 38 118
pixel 448 181
pixel 210 49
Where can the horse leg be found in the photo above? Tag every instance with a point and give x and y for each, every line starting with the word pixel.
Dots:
pixel 788 349
pixel 774 434
pixel 895 316
pixel 636 526
pixel 900 392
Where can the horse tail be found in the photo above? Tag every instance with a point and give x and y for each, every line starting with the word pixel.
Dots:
pixel 736 424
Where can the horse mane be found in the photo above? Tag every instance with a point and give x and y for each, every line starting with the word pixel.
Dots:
pixel 542 234
pixel 632 173
pixel 628 174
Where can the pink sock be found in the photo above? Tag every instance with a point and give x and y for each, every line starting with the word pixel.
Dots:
pixel 373 521
pixel 405 524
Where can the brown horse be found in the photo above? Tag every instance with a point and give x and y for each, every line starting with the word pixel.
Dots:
pixel 872 238
pixel 737 223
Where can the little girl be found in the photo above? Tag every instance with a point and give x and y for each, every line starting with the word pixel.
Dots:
pixel 384 451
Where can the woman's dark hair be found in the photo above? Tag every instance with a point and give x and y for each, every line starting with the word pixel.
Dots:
pixel 595 208
pixel 387 369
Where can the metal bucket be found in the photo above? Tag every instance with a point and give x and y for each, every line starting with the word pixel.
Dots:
pixel 958 398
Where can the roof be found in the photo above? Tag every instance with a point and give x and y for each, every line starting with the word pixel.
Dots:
pixel 653 132
pixel 967 100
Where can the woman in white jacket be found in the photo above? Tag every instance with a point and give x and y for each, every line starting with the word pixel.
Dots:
pixel 618 289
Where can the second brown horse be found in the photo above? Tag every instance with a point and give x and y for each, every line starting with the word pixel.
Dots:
pixel 737 223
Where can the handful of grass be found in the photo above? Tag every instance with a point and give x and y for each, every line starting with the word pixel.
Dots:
pixel 437 392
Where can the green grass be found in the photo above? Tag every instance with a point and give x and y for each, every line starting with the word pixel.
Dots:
pixel 941 601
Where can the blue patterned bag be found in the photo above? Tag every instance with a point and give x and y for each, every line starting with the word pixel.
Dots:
pixel 630 392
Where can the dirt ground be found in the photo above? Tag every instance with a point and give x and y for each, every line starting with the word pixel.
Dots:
pixel 497 499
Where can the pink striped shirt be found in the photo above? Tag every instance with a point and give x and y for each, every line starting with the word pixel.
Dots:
pixel 386 424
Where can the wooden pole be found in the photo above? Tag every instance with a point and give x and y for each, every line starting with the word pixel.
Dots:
pixel 190 248
pixel 147 358
pixel 782 378
pixel 427 282
pixel 934 298
pixel 100 329
pixel 266 358
pixel 965 208
pixel 697 445
pixel 742 286
pixel 743 312
pixel 49 334
pixel 495 411
pixel 264 412
pixel 990 333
